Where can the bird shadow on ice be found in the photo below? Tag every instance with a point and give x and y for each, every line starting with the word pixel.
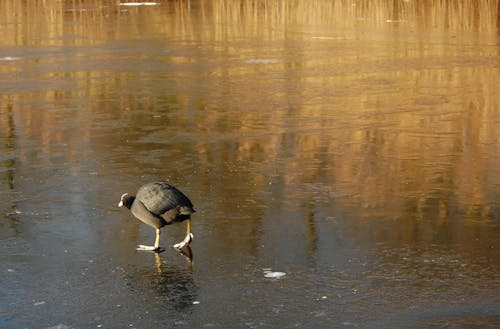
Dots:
pixel 165 284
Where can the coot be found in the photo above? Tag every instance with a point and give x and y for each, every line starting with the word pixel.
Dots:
pixel 158 204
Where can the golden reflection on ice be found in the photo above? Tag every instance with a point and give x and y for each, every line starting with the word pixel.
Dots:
pixel 387 108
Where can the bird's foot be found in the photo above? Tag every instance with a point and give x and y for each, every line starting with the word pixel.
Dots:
pixel 187 253
pixel 187 240
pixel 142 247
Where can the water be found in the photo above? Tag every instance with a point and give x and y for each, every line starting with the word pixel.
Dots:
pixel 343 158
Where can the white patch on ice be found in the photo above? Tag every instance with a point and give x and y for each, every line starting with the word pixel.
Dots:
pixel 139 3
pixel 324 38
pixel 9 58
pixel 270 274
pixel 261 61
pixel 59 326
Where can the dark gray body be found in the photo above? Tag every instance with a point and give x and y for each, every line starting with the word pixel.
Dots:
pixel 158 204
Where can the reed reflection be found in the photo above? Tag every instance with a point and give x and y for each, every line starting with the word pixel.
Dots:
pixel 236 96
pixel 64 23
pixel 8 162
pixel 8 147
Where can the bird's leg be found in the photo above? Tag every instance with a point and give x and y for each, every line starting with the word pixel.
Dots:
pixel 157 239
pixel 187 239
pixel 156 247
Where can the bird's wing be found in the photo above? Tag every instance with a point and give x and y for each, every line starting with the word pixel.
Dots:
pixel 161 197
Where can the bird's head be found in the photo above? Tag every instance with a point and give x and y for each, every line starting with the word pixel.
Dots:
pixel 126 200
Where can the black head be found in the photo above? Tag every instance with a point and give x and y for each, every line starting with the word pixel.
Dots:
pixel 126 200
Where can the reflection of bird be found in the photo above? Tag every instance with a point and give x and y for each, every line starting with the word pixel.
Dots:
pixel 158 204
pixel 163 288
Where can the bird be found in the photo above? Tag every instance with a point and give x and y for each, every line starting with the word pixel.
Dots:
pixel 159 204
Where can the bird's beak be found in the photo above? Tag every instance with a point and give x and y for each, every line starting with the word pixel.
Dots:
pixel 120 204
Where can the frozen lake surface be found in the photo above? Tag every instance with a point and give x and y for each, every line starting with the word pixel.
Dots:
pixel 343 158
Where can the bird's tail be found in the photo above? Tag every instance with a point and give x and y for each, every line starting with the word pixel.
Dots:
pixel 187 210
